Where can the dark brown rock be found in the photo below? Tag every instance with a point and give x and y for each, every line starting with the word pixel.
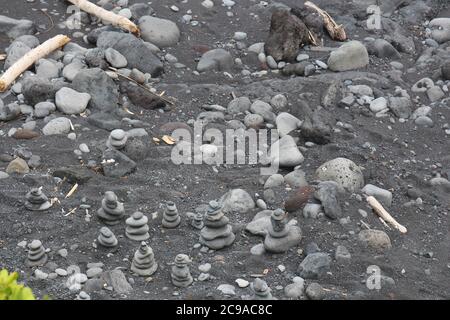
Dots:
pixel 25 134
pixel 287 34
pixel 141 97
pixel 299 198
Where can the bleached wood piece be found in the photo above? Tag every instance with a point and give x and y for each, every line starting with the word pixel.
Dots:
pixel 335 31
pixel 378 208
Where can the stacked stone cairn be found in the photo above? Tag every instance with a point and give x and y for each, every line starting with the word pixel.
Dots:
pixel 36 200
pixel 112 211
pixel 181 275
pixel 107 238
pixel 280 236
pixel 144 263
pixel 171 218
pixel 216 233
pixel 137 227
pixel 36 254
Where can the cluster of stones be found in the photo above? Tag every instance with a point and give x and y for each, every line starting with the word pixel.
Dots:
pixel 143 263
pixel 137 227
pixel 181 275
pixel 216 233
pixel 107 238
pixel 280 237
pixel 112 211
pixel 117 139
pixel 261 290
pixel 36 200
pixel 36 254
pixel 171 218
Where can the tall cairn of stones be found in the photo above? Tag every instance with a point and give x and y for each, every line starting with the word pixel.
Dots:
pixel 280 236
pixel 143 263
pixel 112 211
pixel 171 218
pixel 216 233
pixel 181 275
pixel 36 200
pixel 137 227
pixel 36 254
pixel 107 238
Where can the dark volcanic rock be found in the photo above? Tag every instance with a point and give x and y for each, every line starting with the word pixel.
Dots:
pixel 103 120
pixel 95 58
pixel 14 28
pixel 116 164
pixel 140 96
pixel 73 174
pixel 445 70
pixel 138 55
pixel 317 127
pixel 314 265
pixel 104 92
pixel 37 89
pixel 327 193
pixel 287 34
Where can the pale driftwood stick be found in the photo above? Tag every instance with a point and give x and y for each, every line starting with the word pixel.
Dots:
pixel 107 16
pixel 30 58
pixel 336 31
pixel 2 56
pixel 378 208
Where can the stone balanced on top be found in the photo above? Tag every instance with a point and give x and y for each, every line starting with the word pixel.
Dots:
pixel 171 218
pixel 36 254
pixel 112 211
pixel 117 139
pixel 181 275
pixel 36 200
pixel 107 238
pixel 143 263
pixel 217 233
pixel 281 236
pixel 261 290
pixel 137 227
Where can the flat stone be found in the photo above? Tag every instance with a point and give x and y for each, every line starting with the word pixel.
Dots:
pixel 160 32
pixel 70 101
pixel 349 56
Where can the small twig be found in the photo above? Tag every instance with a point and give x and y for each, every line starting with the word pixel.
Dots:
pixel 380 211
pixel 144 87
pixel 51 21
pixel 365 224
pixel 70 212
pixel 71 192
pixel 2 56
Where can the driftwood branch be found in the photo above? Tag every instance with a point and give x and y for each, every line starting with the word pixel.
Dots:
pixel 335 31
pixel 106 16
pixel 30 58
pixel 378 208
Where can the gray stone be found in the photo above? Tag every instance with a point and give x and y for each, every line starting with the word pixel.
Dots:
pixel 115 58
pixel 118 281
pixel 43 109
pixel 296 179
pixel 141 57
pixel 295 290
pixel 102 89
pixel 349 56
pixel 216 59
pixel 15 51
pixel 263 109
pixel 383 49
pixel 239 105
pixel 14 28
pixel 285 152
pixel 435 93
pixel 48 69
pixel 375 239
pixel 382 195
pixel 59 125
pixel 315 291
pixel 274 181
pixel 424 121
pixel 227 289
pixel 286 123
pixel 120 166
pixel 70 101
pixel 160 32
pixel 237 201
pixel 36 89
pixel 71 70
pixel 254 121
pixel 343 171
pixel 378 104
pixel 342 255
pixel 314 265
pixel 9 112
pixel 327 194
pixel 440 29
pixel 400 106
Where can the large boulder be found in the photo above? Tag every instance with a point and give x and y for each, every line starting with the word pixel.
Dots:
pixel 137 53
pixel 351 55
pixel 237 201
pixel 216 59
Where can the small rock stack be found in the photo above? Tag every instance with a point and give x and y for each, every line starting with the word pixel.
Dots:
pixel 261 290
pixel 280 236
pixel 217 233
pixel 112 210
pixel 36 200
pixel 36 254
pixel 143 262
pixel 197 221
pixel 107 238
pixel 117 139
pixel 137 227
pixel 181 275
pixel 171 218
